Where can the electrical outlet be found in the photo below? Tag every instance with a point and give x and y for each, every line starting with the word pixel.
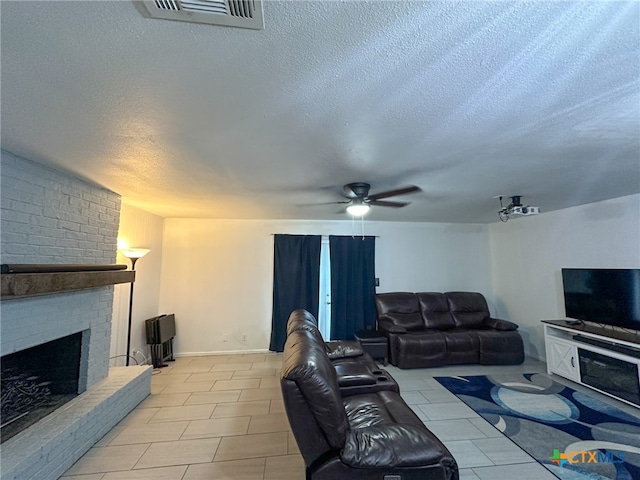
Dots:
pixel 244 337
pixel 225 337
pixel 136 352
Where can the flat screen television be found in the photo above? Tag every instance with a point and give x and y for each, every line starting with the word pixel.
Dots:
pixel 602 295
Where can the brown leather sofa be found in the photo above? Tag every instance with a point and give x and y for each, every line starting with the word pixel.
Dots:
pixel 356 371
pixel 365 436
pixel 432 329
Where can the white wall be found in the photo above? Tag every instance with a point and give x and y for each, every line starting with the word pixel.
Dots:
pixel 217 275
pixel 138 229
pixel 528 254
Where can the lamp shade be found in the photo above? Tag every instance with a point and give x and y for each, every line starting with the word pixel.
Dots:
pixel 135 252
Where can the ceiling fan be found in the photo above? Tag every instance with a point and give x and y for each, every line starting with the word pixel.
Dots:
pixel 360 201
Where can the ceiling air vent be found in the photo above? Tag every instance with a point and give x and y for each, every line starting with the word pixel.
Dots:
pixel 230 13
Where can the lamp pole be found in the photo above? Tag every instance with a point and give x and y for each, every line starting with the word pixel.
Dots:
pixel 133 268
pixel 133 254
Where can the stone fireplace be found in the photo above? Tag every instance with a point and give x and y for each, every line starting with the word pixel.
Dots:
pixel 51 217
pixel 46 449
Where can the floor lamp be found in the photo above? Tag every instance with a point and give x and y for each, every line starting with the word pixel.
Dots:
pixel 133 254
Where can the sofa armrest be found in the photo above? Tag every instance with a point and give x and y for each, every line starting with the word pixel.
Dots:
pixel 395 445
pixel 498 324
pixel 354 374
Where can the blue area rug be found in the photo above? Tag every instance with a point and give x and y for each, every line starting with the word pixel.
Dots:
pixel 575 436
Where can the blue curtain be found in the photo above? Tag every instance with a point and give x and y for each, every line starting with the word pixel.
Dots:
pixel 296 281
pixel 352 285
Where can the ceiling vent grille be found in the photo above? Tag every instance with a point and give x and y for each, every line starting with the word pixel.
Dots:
pixel 229 13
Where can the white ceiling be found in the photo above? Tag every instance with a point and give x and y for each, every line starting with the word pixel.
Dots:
pixel 466 99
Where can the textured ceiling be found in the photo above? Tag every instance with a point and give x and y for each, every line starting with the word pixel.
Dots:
pixel 467 100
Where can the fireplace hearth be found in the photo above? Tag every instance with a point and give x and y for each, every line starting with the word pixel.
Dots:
pixel 38 380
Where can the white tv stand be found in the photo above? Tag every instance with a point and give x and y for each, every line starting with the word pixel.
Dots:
pixel 578 352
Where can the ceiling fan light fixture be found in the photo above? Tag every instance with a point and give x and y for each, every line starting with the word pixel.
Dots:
pixel 358 209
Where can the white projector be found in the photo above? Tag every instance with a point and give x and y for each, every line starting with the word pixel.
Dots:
pixel 520 210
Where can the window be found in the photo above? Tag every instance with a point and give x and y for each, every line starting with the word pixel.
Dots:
pixel 324 304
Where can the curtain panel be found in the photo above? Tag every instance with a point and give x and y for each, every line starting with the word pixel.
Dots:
pixel 296 284
pixel 352 285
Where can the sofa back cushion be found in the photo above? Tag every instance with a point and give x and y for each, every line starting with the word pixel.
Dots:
pixel 399 308
pixel 468 309
pixel 303 320
pixel 306 364
pixel 435 311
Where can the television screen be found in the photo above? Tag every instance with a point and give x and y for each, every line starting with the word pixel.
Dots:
pixel 608 296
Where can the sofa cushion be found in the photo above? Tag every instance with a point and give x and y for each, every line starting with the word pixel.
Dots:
pixel 435 310
pixel 468 309
pixel 397 302
pixel 366 410
pixel 418 349
pixel 389 446
pixel 463 346
pixel 399 309
pixel 409 321
pixel 385 432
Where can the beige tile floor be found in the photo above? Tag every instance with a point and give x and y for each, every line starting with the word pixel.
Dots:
pixel 221 417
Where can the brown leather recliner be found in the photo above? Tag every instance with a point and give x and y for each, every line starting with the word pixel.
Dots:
pixel 360 437
pixel 356 371
pixel 432 329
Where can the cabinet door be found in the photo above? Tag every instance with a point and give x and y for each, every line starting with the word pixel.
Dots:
pixel 562 359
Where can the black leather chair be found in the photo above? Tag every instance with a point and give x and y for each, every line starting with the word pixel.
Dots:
pixel 371 436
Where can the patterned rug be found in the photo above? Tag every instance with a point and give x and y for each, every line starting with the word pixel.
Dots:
pixel 575 436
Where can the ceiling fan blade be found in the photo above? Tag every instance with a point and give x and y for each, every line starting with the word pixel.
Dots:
pixel 321 203
pixel 384 203
pixel 393 193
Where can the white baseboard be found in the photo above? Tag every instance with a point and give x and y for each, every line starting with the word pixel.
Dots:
pixel 219 352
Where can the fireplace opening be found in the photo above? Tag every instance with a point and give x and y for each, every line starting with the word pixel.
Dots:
pixel 36 381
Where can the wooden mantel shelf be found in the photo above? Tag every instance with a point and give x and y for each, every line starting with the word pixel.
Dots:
pixel 20 285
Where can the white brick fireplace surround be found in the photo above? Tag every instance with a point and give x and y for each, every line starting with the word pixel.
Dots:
pixel 50 216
